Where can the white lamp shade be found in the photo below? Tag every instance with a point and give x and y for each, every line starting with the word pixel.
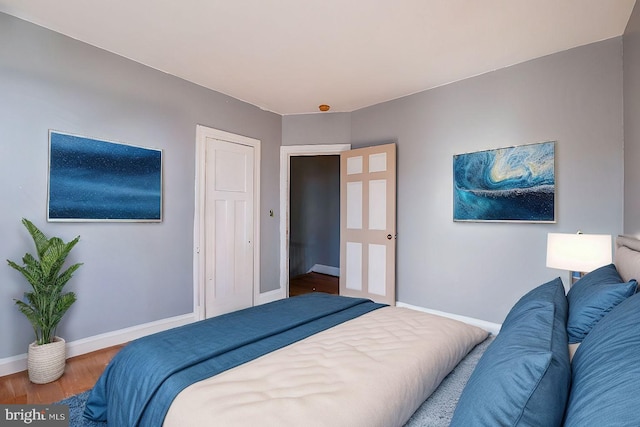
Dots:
pixel 578 252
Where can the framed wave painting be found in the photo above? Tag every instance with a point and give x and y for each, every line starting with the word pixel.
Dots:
pixel 514 184
pixel 96 180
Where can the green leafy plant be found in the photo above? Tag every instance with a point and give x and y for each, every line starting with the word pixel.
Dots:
pixel 46 303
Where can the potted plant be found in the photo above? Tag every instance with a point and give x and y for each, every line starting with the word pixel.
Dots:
pixel 46 303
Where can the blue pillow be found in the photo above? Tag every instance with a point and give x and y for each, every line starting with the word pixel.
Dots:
pixel 552 291
pixel 606 372
pixel 523 377
pixel 592 297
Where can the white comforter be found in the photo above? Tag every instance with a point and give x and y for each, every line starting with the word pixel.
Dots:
pixel 374 370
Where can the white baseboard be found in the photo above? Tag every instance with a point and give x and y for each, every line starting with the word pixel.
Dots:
pixel 270 296
pixel 494 328
pixel 13 364
pixel 325 269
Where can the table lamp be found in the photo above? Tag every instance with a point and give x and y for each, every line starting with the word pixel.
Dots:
pixel 579 253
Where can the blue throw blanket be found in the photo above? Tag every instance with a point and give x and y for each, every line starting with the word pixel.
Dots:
pixel 138 386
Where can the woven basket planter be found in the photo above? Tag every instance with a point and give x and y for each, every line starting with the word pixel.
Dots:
pixel 45 363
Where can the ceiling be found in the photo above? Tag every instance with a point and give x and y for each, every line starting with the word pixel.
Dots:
pixel 290 56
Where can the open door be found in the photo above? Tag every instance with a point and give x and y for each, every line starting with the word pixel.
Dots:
pixel 368 223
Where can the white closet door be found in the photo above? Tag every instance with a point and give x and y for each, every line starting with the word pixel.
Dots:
pixel 228 227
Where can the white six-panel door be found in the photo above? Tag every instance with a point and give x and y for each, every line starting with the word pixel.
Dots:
pixel 226 262
pixel 229 233
pixel 368 223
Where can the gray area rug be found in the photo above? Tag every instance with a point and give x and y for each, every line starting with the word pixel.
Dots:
pixel 76 409
pixel 436 411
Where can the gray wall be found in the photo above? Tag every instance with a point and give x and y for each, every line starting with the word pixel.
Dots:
pixel 133 273
pixel 480 269
pixel 136 273
pixel 313 129
pixel 632 124
pixel 314 230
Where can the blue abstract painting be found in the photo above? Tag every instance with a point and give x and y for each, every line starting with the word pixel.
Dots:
pixel 94 180
pixel 506 184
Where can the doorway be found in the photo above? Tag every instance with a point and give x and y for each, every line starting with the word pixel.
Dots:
pixel 367 205
pixel 286 249
pixel 314 224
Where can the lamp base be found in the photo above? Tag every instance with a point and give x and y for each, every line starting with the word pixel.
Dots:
pixel 575 276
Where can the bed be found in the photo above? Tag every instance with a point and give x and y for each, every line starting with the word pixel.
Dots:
pixel 315 359
pixel 322 360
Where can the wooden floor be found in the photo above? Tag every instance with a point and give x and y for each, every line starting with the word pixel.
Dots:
pixel 313 282
pixel 82 372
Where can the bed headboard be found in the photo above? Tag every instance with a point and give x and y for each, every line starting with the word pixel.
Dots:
pixel 627 257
